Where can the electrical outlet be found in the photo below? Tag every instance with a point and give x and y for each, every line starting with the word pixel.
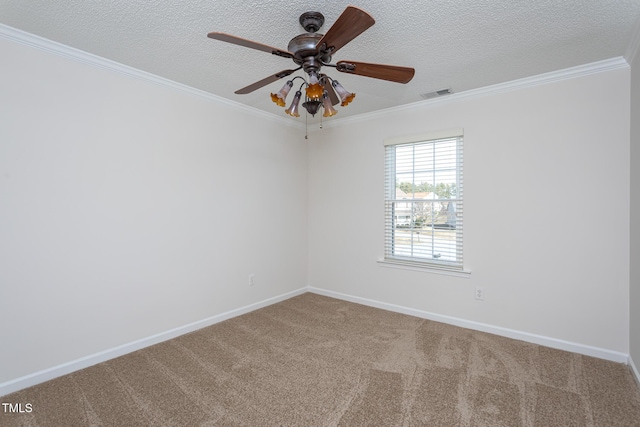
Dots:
pixel 479 293
pixel 252 280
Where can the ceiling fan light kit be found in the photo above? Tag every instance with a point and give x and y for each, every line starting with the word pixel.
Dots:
pixel 345 96
pixel 311 51
pixel 279 98
pixel 293 109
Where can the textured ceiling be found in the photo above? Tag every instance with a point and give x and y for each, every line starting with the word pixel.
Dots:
pixel 462 45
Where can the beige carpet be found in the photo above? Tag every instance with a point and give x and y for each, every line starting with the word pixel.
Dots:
pixel 318 361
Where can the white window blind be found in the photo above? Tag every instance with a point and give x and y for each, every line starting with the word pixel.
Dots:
pixel 423 200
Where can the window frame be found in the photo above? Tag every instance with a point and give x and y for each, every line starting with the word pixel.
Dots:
pixel 412 262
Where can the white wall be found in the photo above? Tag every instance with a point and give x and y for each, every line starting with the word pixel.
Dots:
pixel 129 208
pixel 635 210
pixel 546 210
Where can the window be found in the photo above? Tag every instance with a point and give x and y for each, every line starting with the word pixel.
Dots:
pixel 423 200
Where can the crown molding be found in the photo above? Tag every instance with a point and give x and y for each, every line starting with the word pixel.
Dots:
pixel 59 49
pixel 634 44
pixel 74 54
pixel 527 82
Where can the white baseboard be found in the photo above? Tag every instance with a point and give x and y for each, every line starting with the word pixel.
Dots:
pixel 93 359
pixel 634 369
pixel 496 330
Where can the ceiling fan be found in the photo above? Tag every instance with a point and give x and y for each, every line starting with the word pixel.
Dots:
pixel 311 51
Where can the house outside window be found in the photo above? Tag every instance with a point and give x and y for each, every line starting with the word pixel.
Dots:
pixel 423 200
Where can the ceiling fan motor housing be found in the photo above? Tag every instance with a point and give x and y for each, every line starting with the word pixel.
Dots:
pixel 305 45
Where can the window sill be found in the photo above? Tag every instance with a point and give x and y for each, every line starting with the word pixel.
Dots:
pixel 426 268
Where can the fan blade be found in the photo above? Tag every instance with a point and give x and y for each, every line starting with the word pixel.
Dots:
pixel 332 93
pixel 349 25
pixel 272 78
pixel 391 73
pixel 250 44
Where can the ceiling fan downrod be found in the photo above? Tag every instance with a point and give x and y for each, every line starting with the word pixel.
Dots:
pixel 311 21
